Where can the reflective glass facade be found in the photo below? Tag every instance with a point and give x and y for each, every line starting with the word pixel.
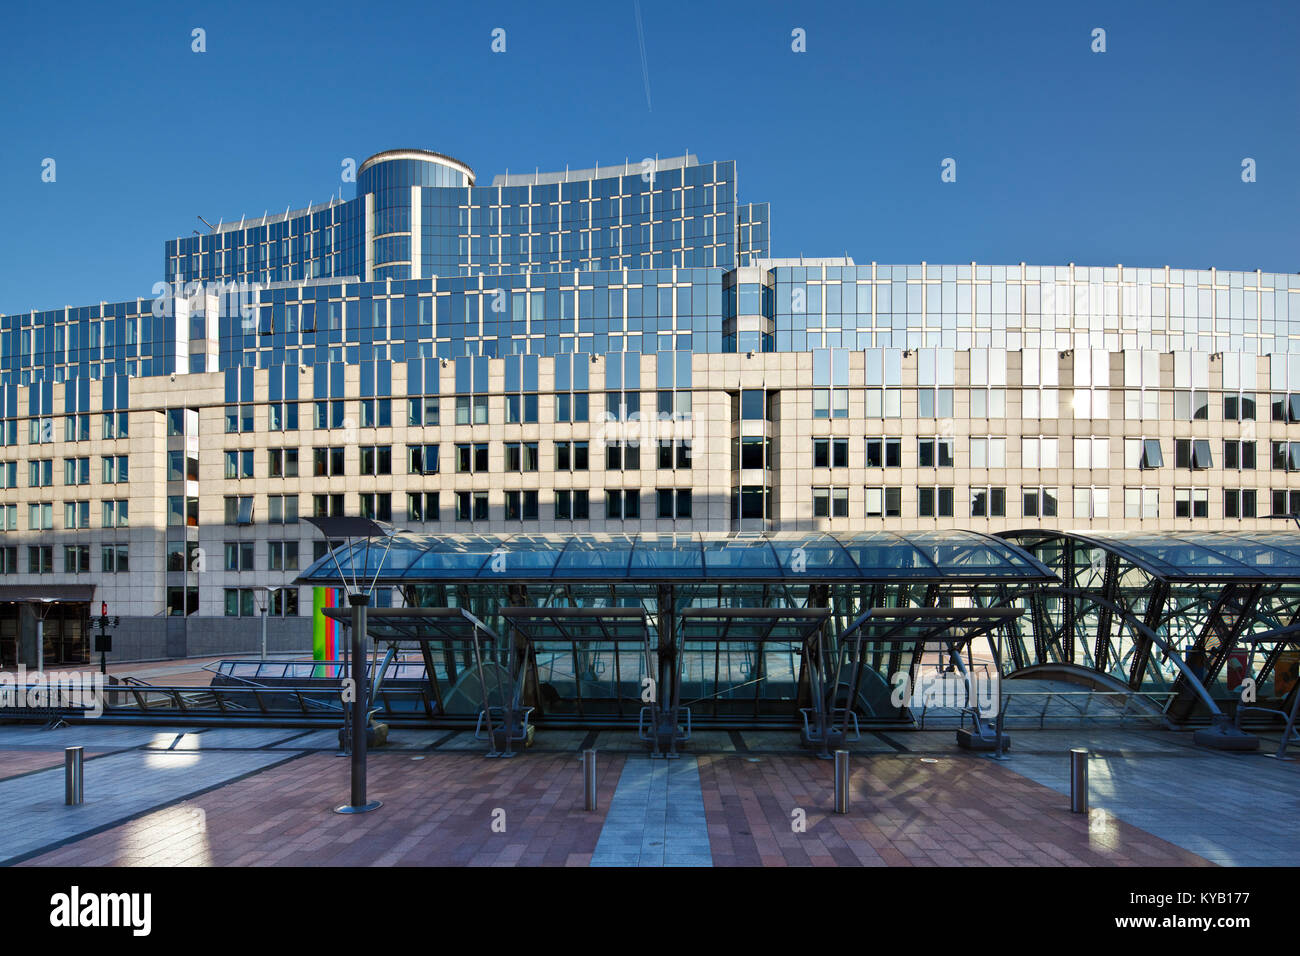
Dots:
pixel 615 350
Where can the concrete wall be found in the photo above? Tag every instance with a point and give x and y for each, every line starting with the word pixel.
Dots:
pixel 147 638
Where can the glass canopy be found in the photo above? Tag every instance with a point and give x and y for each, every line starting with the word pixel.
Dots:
pixel 1190 556
pixel 784 556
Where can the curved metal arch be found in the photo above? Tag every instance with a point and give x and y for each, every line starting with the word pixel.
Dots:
pixel 1109 547
pixel 1142 629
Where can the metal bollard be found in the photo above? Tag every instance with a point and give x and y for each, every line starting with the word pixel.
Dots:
pixel 72 777
pixel 589 778
pixel 1078 780
pixel 841 781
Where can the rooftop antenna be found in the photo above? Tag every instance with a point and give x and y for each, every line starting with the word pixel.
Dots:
pixel 206 223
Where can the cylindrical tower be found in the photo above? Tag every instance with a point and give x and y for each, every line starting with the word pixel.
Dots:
pixel 390 183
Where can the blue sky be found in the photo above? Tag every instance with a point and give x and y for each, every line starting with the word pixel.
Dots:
pixel 1133 155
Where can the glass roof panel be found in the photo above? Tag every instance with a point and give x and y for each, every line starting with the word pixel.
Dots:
pixel 596 556
pixel 667 555
pixel 740 557
pixel 930 555
pixel 819 555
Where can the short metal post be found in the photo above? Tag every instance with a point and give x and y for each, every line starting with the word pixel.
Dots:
pixel 841 781
pixel 589 778
pixel 73 791
pixel 1078 780
pixel 360 706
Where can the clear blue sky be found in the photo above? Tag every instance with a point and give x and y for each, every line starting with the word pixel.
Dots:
pixel 1062 154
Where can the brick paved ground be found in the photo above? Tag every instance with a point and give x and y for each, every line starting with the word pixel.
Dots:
pixel 961 810
pixel 14 763
pixel 438 811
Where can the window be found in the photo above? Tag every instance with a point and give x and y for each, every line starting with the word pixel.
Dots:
pixel 988 502
pixel 376 412
pixel 572 505
pixel 8 517
pixel 471 457
pixel 1039 452
pixel 1143 453
pixel 988 403
pixel 422 410
pixel 830 452
pixel 327 506
pixel 753 405
pixel 329 415
pixel 1239 503
pixel 283 462
pixel 76 514
pixel 934 502
pixel 674 502
pixel 239 464
pixel 282 509
pixel 240 602
pixel 327 462
pixel 675 454
pixel 830 502
pixel 884 502
pixel 1239 408
pixel 8 474
pixel 9 560
pixel 754 453
pixel 282 555
pixel 1239 455
pixel 1191 503
pixel 422 459
pixel 1039 502
pixel 622 457
pixel 752 501
pixel 40 516
pixel 376 459
pixel 378 506
pixel 116 425
pixel 40 431
pixel 422 506
pixel 76 559
pixel 40 559
pixel 622 504
pixel 571 456
pixel 1191 404
pixel 1286 503
pixel 988 452
pixel 521 505
pixel 884 452
pixel 471 409
pixel 471 506
pixel 40 473
pixel 76 471
pixel 521 456
pixel 933 403
pixel 1092 453
pixel 116 513
pixel 934 453
pixel 239 556
pixel 1092 502
pixel 1189 453
pixel 115 469
pixel 115 558
pixel 1286 456
pixel 1141 502
pixel 239 509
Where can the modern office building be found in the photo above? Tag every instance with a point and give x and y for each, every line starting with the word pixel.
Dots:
pixel 608 350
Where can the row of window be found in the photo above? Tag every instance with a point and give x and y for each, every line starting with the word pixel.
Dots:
pixel 114 559
pixel 1040 502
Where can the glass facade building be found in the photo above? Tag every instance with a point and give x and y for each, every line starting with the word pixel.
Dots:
pixel 608 350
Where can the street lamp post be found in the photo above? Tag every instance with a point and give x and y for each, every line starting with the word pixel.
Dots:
pixel 358 533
